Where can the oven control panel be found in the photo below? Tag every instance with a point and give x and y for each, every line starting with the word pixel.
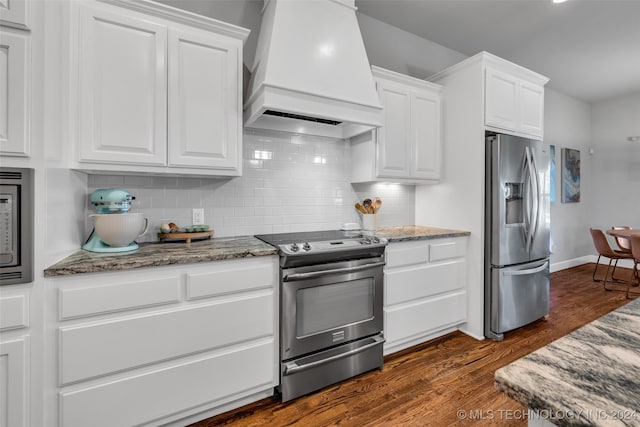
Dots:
pixel 298 248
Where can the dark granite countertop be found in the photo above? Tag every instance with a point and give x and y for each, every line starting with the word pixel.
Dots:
pixel 158 254
pixel 590 377
pixel 417 232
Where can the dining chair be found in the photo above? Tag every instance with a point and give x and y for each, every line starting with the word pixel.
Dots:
pixel 604 250
pixel 635 253
pixel 624 245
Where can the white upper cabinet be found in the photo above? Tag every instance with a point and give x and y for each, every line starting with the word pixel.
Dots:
pixel 532 108
pixel 426 135
pixel 514 101
pixel 14 93
pixel 407 148
pixel 122 88
pixel 157 96
pixel 203 85
pixel 501 108
pixel 393 139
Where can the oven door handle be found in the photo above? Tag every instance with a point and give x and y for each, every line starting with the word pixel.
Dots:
pixel 293 367
pixel 310 275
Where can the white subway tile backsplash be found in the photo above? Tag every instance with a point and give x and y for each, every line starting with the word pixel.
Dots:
pixel 105 181
pixel 139 181
pixel 290 183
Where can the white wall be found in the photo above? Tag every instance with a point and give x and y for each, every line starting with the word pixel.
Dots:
pixel 397 50
pixel 616 162
pixel 567 124
pixel 64 195
pixel 244 13
pixel 387 46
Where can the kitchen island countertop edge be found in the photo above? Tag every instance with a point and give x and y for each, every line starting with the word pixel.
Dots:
pixel 588 377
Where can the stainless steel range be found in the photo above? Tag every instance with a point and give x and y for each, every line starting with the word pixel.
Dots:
pixel 331 309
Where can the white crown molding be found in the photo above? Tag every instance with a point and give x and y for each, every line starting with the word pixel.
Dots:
pixel 403 78
pixel 182 16
pixel 488 59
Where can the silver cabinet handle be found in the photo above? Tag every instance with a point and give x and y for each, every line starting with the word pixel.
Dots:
pixel 312 274
pixel 524 272
pixel 293 367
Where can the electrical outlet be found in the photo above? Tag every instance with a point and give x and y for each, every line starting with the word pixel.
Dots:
pixel 197 216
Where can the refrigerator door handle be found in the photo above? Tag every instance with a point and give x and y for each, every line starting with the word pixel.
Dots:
pixel 525 272
pixel 528 199
pixel 536 180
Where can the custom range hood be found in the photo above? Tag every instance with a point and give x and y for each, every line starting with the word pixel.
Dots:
pixel 311 74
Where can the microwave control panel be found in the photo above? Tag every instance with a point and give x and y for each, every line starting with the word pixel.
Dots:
pixel 8 225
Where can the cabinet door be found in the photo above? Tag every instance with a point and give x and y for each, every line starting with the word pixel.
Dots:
pixel 205 126
pixel 393 151
pixel 501 105
pixel 14 385
pixel 122 100
pixel 532 108
pixel 14 13
pixel 14 95
pixel 426 139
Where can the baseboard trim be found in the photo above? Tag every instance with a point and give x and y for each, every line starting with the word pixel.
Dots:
pixel 562 265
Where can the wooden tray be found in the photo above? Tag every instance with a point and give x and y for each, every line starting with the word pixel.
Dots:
pixel 187 237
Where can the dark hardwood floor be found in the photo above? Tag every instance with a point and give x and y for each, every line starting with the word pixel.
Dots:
pixel 444 382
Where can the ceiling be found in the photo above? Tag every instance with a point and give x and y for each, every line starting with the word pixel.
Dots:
pixel 590 49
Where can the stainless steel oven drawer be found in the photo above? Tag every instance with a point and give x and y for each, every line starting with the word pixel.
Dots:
pixel 311 373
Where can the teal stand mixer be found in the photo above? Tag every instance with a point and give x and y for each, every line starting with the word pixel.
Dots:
pixel 115 227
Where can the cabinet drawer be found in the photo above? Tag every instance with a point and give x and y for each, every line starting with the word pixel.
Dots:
pixel 167 391
pixel 424 316
pixel 440 251
pixel 407 253
pixel 14 312
pixel 418 252
pixel 125 343
pixel 232 277
pixel 423 281
pixel 88 301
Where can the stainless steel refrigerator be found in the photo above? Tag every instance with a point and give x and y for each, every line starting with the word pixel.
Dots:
pixel 517 228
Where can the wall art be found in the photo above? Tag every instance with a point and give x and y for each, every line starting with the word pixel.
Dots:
pixel 570 175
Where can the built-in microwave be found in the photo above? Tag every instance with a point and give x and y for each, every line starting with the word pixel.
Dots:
pixel 16 225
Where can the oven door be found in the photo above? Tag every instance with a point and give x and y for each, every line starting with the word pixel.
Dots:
pixel 330 304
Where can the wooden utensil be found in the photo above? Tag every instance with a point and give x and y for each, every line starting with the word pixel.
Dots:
pixel 376 204
pixel 367 205
pixel 360 208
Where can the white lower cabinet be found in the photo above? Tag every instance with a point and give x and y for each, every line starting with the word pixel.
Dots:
pixel 15 358
pixel 163 345
pixel 425 292
pixel 14 382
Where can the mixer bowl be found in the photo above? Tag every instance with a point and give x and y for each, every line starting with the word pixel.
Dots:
pixel 120 229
